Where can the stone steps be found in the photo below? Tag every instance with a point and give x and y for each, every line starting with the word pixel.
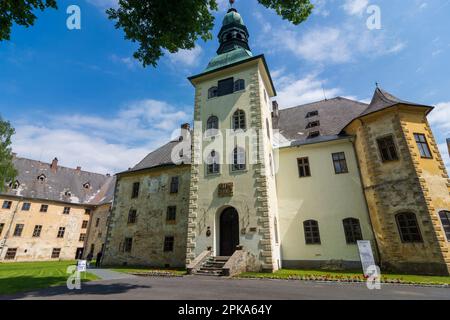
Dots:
pixel 213 267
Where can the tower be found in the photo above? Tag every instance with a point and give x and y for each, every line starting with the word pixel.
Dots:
pixel 233 201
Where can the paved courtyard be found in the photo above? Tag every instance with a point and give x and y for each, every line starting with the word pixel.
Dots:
pixel 115 286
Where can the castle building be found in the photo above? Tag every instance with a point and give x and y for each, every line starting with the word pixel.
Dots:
pixel 52 212
pixel 257 187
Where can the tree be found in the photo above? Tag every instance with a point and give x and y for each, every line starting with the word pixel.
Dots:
pixel 21 13
pixel 177 24
pixel 7 170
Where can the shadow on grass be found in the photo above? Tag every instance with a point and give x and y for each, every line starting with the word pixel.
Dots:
pixel 47 287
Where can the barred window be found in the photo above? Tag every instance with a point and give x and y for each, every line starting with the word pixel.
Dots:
pixel 445 220
pixel 18 230
pixel 128 244
pixel 339 163
pixel 168 244
pixel 56 253
pixel 408 227
pixel 304 169
pixel 11 254
pixel 174 182
pixel 312 234
pixel 84 225
pixel 422 144
pixel 239 120
pixel 171 215
pixel 61 232
pixel 387 149
pixel 66 210
pixel 132 216
pixel 37 231
pixel 352 230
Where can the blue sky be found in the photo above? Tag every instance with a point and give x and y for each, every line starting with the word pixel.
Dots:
pixel 79 95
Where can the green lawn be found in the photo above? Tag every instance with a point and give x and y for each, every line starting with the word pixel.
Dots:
pixel 24 276
pixel 344 275
pixel 147 270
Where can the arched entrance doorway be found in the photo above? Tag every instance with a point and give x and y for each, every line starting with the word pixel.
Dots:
pixel 229 231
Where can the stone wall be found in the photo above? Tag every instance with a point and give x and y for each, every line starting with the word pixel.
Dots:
pixel 151 227
pixel 98 226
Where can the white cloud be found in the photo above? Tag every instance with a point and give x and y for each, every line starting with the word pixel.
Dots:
pixel 355 7
pixel 445 156
pixel 101 144
pixel 187 58
pixel 130 62
pixel 439 118
pixel 104 4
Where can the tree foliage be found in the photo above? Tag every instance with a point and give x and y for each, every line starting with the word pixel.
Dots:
pixel 177 24
pixel 20 12
pixel 7 170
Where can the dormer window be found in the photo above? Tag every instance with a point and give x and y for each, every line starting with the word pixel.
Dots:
pixel 42 178
pixel 313 134
pixel 14 185
pixel 213 92
pixel 68 193
pixel 313 124
pixel 312 114
pixel 87 185
pixel 239 85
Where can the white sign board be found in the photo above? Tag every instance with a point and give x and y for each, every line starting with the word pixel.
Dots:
pixel 366 255
pixel 81 266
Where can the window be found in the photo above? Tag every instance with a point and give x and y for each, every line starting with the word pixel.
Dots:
pixel 84 225
pixel 10 254
pixel 135 192
pixel 7 204
pixel 422 144
pixel 41 178
pixel 26 206
pixel 99 235
pixel 312 114
pixel 171 214
pixel 239 120
pixel 303 167
pixel 174 182
pixel 239 85
pixel 97 222
pixel 312 235
pixel 408 227
pixel 387 149
pixel 212 125
pixel 238 159
pixel 61 232
pixel 339 162
pixel 18 230
pixel 87 211
pixel 168 244
pixel 132 216
pixel 268 128
pixel 37 231
pixel 44 208
pixel 68 194
pixel 352 230
pixel 271 165
pixel 213 92
pixel 87 185
pixel 82 237
pixel 15 185
pixel 2 225
pixel 313 124
pixel 445 220
pixel 313 134
pixel 66 210
pixel 275 226
pixel 128 244
pixel 226 86
pixel 55 253
pixel 213 163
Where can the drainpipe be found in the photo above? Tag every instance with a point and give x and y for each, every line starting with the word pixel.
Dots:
pixel 9 227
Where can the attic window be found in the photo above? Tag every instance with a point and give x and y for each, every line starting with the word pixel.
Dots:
pixel 68 194
pixel 14 185
pixel 313 134
pixel 42 177
pixel 312 114
pixel 87 185
pixel 313 124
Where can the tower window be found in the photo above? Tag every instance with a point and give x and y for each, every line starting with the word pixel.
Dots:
pixel 239 85
pixel 226 86
pixel 313 124
pixel 387 149
pixel 212 124
pixel 339 162
pixel 82 237
pixel 408 227
pixel 352 230
pixel 445 220
pixel 213 92
pixel 239 163
pixel 213 163
pixel 239 120
pixel 312 234
pixel 304 169
pixel 422 144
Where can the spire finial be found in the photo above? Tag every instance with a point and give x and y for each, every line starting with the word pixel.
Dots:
pixel 231 3
pixel 377 84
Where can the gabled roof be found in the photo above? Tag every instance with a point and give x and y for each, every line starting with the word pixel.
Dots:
pixel 383 99
pixel 333 115
pixel 61 184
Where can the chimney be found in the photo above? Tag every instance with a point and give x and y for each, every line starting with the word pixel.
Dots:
pixel 78 169
pixel 54 165
pixel 185 127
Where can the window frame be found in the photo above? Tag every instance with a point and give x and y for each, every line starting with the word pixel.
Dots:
pixel 132 216
pixel 352 230
pixel 213 92
pixel 169 244
pixel 43 208
pixel 8 254
pixel 213 165
pixel 66 210
pixel 304 166
pixel 403 236
pixel 445 227
pixel 340 161
pixel 423 146
pixel 7 204
pixel 212 126
pixel 310 237
pixel 56 253
pixel 37 231
pixel 84 224
pixel 174 185
pixel 239 85
pixel 61 233
pixel 171 214
pixel 224 90
pixel 392 144
pixel 26 206
pixel 18 230
pixel 238 153
pixel 239 120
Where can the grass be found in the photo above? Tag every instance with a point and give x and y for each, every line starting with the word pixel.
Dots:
pixel 147 270
pixel 334 275
pixel 24 276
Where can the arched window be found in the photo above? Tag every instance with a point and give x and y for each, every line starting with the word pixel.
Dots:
pixel 14 185
pixel 408 227
pixel 239 85
pixel 352 230
pixel 238 159
pixel 212 125
pixel 213 92
pixel 312 234
pixel 239 120
pixel 445 220
pixel 213 163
